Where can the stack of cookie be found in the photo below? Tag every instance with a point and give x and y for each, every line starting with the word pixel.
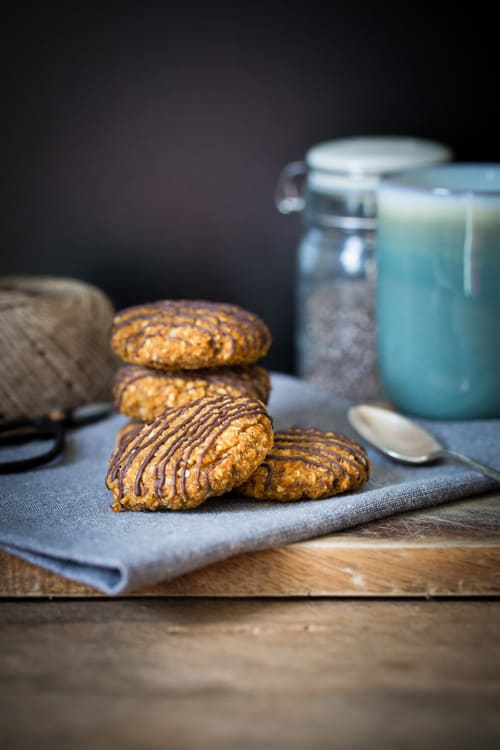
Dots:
pixel 179 351
pixel 200 424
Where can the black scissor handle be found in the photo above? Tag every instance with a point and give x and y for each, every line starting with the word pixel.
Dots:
pixel 51 427
pixel 89 413
pixel 19 431
pixel 24 431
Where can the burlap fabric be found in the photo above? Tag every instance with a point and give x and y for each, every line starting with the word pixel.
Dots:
pixel 54 345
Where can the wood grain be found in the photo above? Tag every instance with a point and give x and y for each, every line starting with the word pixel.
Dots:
pixel 452 550
pixel 226 674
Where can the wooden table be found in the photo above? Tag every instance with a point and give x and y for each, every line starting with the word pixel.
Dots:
pixel 371 660
pixel 258 673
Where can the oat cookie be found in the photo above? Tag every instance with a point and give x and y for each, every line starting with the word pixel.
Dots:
pixel 188 334
pixel 189 454
pixel 308 464
pixel 143 393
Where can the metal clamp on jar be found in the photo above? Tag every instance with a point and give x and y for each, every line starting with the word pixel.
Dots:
pixel 336 190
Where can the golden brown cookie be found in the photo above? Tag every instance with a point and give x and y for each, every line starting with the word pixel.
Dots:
pixel 308 464
pixel 189 454
pixel 188 334
pixel 143 393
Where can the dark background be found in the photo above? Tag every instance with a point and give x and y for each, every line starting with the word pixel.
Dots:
pixel 142 141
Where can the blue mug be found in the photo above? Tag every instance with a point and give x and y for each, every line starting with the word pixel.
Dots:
pixel 438 291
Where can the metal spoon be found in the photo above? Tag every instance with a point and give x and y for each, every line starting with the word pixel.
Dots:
pixel 403 440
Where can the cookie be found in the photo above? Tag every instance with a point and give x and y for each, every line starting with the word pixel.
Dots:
pixel 143 393
pixel 308 464
pixel 189 454
pixel 188 334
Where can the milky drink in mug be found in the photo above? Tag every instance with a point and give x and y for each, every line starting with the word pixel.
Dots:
pixel 438 291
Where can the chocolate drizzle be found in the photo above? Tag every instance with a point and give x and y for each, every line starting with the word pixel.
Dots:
pixel 177 446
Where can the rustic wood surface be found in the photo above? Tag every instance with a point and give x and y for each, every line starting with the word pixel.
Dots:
pixel 258 673
pixel 451 550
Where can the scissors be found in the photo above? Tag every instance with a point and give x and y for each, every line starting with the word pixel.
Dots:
pixel 52 427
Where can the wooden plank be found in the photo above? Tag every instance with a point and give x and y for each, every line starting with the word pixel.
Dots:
pixel 452 550
pixel 231 674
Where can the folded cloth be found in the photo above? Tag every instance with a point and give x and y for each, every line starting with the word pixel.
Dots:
pixel 58 516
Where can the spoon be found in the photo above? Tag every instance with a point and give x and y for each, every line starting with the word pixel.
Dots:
pixel 403 440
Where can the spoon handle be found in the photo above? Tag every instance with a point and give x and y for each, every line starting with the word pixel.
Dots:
pixel 473 464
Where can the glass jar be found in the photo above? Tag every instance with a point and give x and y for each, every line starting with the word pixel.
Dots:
pixel 336 191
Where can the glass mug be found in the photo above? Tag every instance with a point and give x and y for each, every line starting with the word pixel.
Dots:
pixel 335 190
pixel 438 291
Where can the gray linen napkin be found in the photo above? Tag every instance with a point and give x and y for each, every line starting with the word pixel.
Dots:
pixel 59 516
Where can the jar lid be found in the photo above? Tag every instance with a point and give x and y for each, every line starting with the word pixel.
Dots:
pixel 358 163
